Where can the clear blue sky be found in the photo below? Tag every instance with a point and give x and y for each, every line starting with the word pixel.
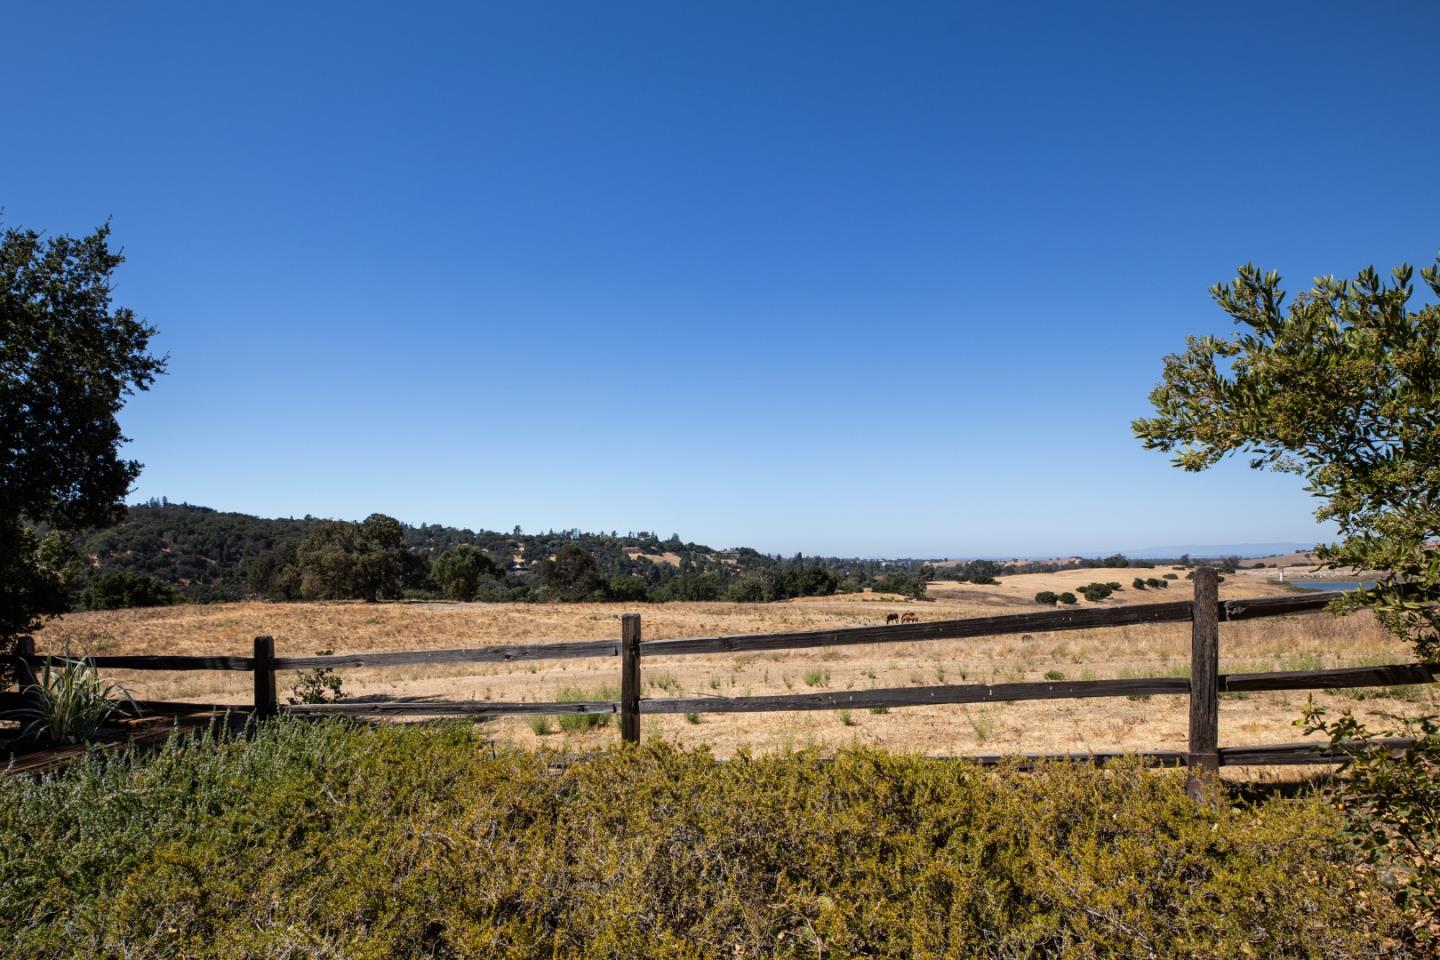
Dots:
pixel 833 277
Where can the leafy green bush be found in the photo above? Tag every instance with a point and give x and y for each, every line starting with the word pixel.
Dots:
pixel 333 840
pixel 905 584
pixel 1046 596
pixel 1067 597
pixel 320 685
pixel 120 589
pixel 1138 584
pixel 1392 809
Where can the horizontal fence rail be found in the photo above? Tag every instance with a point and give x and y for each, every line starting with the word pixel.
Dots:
pixel 499 654
pixel 143 662
pixel 454 708
pixel 1204 684
pixel 921 696
pixel 1042 622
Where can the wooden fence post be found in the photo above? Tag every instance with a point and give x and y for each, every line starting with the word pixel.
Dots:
pixel 630 678
pixel 1203 761
pixel 265 700
pixel 24 669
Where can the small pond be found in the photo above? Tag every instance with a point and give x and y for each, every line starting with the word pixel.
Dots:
pixel 1345 585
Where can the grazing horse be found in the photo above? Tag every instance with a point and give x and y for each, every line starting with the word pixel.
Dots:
pixel 910 618
pixel 892 618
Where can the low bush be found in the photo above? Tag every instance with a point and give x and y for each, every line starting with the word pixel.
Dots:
pixel 1047 596
pixel 69 701
pixel 333 840
pixel 1067 597
pixel 1392 811
pixel 580 722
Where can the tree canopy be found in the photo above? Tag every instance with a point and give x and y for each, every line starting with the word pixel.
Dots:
pixel 1342 387
pixel 68 360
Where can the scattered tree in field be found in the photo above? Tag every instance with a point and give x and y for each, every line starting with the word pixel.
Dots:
pixel 1067 597
pixel 1170 576
pixel 1343 389
pixel 906 584
pixel 1095 592
pixel 1138 584
pixel 459 571
pixel 343 561
pixel 572 575
pixel 1047 597
pixel 118 589
pixel 67 363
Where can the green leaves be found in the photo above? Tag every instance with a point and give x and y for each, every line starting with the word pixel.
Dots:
pixel 1341 388
pixel 67 361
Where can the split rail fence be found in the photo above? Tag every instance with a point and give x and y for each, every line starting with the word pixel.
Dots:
pixel 1203 686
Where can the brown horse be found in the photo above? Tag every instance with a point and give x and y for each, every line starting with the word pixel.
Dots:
pixel 892 618
pixel 910 618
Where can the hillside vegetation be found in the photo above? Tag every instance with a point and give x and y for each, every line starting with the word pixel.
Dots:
pixel 163 552
pixel 337 841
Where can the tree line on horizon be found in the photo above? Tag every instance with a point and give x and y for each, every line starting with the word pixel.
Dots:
pixel 164 552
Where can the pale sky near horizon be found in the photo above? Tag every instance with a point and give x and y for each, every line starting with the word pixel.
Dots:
pixel 856 279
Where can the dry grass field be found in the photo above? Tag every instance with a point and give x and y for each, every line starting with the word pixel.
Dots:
pixel 1101 725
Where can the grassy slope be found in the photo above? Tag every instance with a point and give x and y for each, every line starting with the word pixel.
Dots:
pixel 330 841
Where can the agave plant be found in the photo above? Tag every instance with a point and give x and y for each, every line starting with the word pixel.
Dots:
pixel 69 703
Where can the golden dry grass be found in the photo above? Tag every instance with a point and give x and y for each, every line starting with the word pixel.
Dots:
pixel 1048 726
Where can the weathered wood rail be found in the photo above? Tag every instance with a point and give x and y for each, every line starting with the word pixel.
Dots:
pixel 1203 685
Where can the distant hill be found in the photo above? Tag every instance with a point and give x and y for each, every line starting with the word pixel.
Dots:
pixel 1246 550
pixel 211 555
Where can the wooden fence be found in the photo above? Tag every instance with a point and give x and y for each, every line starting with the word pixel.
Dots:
pixel 1204 685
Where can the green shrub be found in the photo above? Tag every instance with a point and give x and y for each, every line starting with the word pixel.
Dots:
pixel 119 589
pixel 1392 809
pixel 1138 584
pixel 334 840
pixel 320 685
pixel 580 722
pixel 1046 596
pixel 1067 597
pixel 817 677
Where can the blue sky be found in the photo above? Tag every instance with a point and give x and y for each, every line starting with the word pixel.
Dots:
pixel 833 277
